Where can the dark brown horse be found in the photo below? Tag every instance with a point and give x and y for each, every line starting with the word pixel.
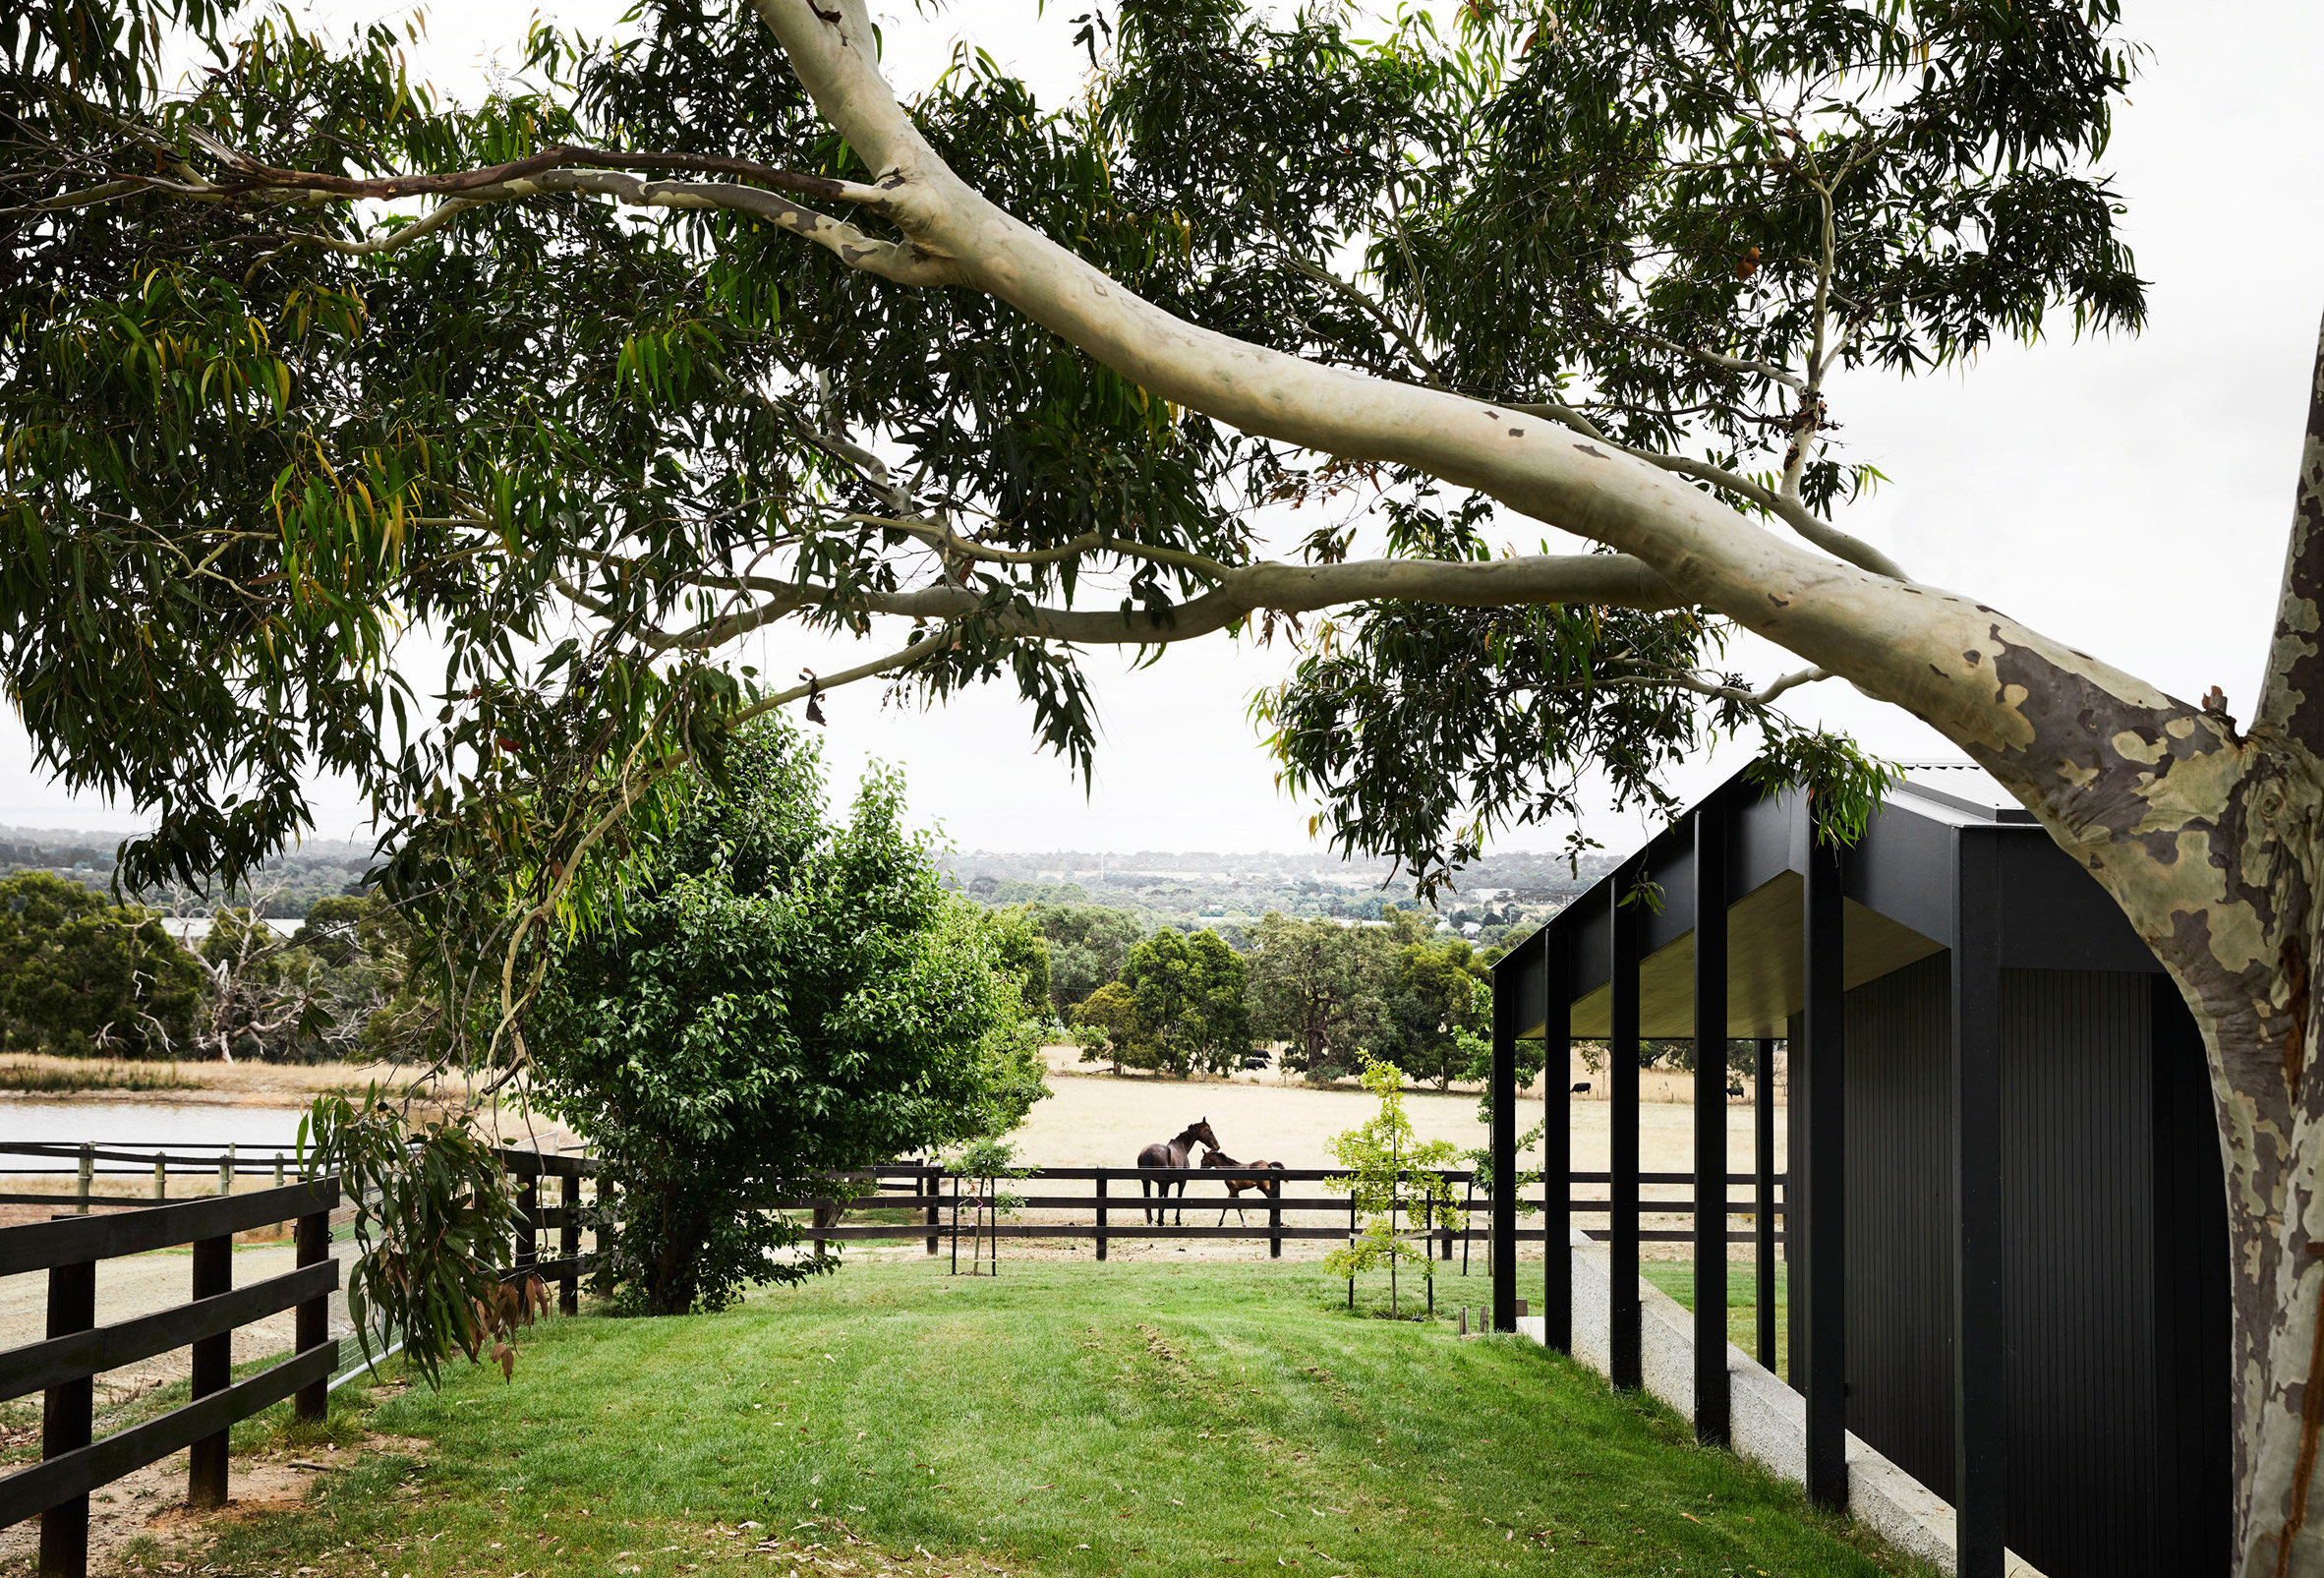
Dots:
pixel 1243 1175
pixel 1175 1153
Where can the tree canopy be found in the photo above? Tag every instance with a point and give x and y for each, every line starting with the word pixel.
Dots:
pixel 786 1000
pixel 1088 944
pixel 79 975
pixel 610 401
pixel 1319 986
pixel 594 380
pixel 1184 993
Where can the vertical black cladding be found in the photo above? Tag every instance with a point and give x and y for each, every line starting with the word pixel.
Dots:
pixel 2116 1375
pixel 2077 1095
pixel 1900 1218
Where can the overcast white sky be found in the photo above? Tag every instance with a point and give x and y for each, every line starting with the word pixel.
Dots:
pixel 2130 497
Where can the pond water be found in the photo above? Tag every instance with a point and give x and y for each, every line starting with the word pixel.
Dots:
pixel 142 1124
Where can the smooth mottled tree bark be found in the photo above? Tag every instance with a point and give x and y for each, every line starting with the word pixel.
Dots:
pixel 2206 835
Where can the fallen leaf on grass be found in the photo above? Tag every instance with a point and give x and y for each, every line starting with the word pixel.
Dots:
pixel 1691 1518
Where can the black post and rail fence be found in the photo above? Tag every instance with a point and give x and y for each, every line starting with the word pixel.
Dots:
pixel 63 1368
pixel 925 1203
pixel 934 1205
pixel 74 1350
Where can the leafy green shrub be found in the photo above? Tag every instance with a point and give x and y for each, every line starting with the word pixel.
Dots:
pixel 784 1001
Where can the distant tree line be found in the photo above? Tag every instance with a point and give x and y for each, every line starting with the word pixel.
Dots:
pixel 1328 992
pixel 286 888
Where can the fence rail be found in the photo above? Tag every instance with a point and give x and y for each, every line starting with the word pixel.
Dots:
pixel 942 1196
pixel 568 1216
pixel 90 1161
pixel 63 1368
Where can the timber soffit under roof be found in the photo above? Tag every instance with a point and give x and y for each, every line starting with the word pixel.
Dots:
pixel 1898 885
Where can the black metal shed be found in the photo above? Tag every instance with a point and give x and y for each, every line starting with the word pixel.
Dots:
pixel 2006 1228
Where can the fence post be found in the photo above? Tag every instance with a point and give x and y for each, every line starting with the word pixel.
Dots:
pixel 67 1417
pixel 88 1176
pixel 226 1172
pixel 931 1189
pixel 528 1219
pixel 955 1224
pixel 1275 1224
pixel 279 1169
pixel 213 1370
pixel 568 1247
pixel 1101 1213
pixel 313 1315
pixel 160 1177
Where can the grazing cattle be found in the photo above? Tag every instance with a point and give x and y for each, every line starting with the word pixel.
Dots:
pixel 1582 1089
pixel 1173 1154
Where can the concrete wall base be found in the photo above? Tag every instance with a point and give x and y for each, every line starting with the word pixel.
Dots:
pixel 1767 1419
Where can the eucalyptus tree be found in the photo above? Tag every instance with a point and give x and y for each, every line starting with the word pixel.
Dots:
pixel 706 333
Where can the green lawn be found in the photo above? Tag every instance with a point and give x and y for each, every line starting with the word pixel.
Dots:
pixel 1677 1278
pixel 1065 1418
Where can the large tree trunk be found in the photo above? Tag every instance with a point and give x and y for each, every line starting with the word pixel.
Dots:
pixel 2207 836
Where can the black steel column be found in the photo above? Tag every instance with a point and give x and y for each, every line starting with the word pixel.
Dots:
pixel 1557 1146
pixel 1711 1123
pixel 1817 1228
pixel 1502 1202
pixel 1979 1316
pixel 1762 1191
pixel 1624 1306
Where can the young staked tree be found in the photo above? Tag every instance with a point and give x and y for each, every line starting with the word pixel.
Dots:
pixel 1396 1187
pixel 704 332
